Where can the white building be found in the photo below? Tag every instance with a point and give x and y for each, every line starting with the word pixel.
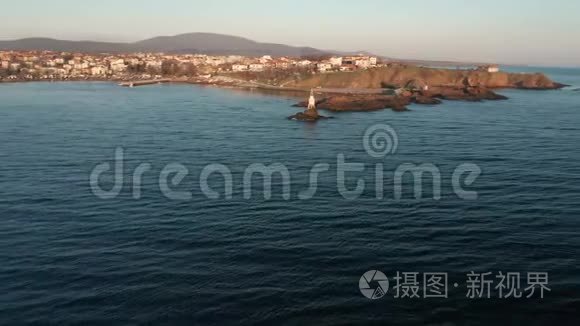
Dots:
pixel 265 59
pixel 360 61
pixel 324 66
pixel 239 67
pixel 118 65
pixel 82 65
pixel 133 61
pixel 336 61
pixel 489 68
pixel 155 64
pixel 234 58
pixel 256 67
pixel 282 65
pixel 98 71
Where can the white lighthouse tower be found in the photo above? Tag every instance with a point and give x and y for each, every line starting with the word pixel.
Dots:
pixel 312 101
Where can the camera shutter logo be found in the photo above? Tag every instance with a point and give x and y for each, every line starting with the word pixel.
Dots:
pixel 374 284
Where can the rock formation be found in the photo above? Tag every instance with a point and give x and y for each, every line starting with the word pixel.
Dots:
pixel 401 76
pixel 373 102
pixel 419 85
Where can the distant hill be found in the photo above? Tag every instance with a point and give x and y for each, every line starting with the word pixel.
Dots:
pixel 207 43
pixel 29 44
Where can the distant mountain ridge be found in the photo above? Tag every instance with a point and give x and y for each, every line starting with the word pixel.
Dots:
pixel 207 43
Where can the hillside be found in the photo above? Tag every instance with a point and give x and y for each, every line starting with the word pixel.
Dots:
pixel 208 43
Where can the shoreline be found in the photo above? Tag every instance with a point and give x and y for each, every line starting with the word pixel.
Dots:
pixel 330 99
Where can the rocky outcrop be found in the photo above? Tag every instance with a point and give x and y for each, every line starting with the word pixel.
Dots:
pixel 309 115
pixel 373 102
pixel 340 103
pixel 426 100
pixel 472 94
pixel 401 76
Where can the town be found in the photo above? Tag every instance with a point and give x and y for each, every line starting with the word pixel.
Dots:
pixel 51 66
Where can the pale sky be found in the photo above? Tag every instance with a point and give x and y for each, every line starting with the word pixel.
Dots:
pixel 536 32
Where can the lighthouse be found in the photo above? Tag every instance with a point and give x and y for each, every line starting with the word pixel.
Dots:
pixel 310 114
pixel 312 101
pixel 311 111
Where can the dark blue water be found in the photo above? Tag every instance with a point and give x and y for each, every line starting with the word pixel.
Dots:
pixel 69 257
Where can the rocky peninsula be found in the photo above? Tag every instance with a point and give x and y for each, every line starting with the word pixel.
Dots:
pixel 400 100
pixel 398 86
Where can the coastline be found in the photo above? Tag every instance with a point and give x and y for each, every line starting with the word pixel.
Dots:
pixel 413 89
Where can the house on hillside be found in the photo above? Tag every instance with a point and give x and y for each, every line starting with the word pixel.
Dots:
pixel 360 61
pixel 265 59
pixel 256 67
pixel 489 68
pixel 240 67
pixel 347 67
pixel 324 66
pixel 336 61
pixel 98 71
pixel 282 64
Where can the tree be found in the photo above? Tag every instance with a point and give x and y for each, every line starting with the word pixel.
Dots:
pixel 188 69
pixel 169 67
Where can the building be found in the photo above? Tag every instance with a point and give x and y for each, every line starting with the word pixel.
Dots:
pixel 239 67
pixel 489 68
pixel 14 66
pixel 98 71
pixel 265 59
pixel 82 65
pixel 348 67
pixel 118 65
pixel 324 66
pixel 154 64
pixel 360 61
pixel 256 67
pixel 234 58
pixel 282 65
pixel 336 61
pixel 133 61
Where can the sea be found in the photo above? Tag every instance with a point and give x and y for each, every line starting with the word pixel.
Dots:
pixel 188 205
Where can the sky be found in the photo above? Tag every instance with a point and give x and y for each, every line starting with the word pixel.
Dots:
pixel 533 32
